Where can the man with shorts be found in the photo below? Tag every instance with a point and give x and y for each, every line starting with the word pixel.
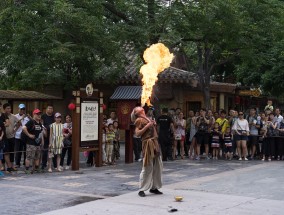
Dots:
pixel 9 149
pixel 35 132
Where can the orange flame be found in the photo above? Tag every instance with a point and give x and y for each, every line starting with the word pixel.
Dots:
pixel 157 58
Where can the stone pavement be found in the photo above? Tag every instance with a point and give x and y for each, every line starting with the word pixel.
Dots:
pixel 208 187
pixel 251 190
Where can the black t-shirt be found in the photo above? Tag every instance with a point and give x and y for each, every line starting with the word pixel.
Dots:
pixel 203 126
pixel 47 121
pixel 3 118
pixel 33 128
pixel 164 122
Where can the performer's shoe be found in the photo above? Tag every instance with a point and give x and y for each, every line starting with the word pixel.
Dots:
pixel 155 191
pixel 141 194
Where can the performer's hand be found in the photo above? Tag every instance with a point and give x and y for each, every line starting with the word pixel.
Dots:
pixel 149 124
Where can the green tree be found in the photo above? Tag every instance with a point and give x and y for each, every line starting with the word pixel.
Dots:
pixel 215 32
pixel 56 42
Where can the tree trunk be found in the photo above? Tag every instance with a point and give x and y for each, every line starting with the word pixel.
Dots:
pixel 153 38
pixel 204 74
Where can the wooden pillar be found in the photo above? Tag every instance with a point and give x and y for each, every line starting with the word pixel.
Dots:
pixel 129 144
pixel 221 101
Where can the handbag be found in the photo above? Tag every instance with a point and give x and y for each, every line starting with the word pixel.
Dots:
pixel 177 136
pixel 67 142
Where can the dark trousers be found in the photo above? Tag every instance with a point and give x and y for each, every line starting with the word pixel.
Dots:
pixel 91 156
pixel 69 155
pixel 20 148
pixel 45 155
pixel 279 142
pixel 166 146
pixel 269 146
pixel 11 142
pixel 137 147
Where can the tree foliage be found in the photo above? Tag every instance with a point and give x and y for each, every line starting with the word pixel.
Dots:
pixel 72 42
pixel 55 42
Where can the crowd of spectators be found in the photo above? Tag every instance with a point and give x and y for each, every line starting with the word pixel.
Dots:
pixel 207 135
pixel 35 143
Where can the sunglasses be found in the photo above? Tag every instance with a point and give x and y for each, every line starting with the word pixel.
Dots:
pixel 23 109
pixel 241 114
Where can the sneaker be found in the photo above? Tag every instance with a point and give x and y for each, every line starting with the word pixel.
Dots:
pixel 216 158
pixel 269 159
pixel 67 167
pixel 59 169
pixel 245 159
pixel 278 158
pixel 14 169
pixel 49 170
pixel 155 191
pixel 141 194
pixel 9 170
pixel 197 158
pixel 139 160
pixel 207 158
pixel 263 159
pixel 38 170
pixel 240 159
pixel 28 172
pixel 1 174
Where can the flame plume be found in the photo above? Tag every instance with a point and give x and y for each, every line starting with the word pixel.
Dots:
pixel 157 58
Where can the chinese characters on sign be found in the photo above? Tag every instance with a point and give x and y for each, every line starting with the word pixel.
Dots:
pixel 89 121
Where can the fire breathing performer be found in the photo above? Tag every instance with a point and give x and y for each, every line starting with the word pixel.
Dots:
pixel 151 174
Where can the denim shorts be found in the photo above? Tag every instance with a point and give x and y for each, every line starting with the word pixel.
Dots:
pixel 241 137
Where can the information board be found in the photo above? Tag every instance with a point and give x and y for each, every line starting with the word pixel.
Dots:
pixel 89 121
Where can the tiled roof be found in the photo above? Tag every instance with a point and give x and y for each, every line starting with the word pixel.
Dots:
pixel 170 75
pixel 27 95
pixel 127 93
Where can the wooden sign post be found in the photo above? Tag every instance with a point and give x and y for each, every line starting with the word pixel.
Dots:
pixel 87 124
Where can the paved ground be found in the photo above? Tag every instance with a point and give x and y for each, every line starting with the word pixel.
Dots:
pixel 208 187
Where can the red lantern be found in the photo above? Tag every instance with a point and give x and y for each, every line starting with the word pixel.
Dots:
pixel 104 107
pixel 71 106
pixel 237 100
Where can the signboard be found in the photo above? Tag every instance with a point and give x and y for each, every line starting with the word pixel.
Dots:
pixel 254 92
pixel 89 121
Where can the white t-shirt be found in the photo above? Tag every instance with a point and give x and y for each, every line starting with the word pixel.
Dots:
pixel 241 125
pixel 110 121
pixel 24 122
pixel 278 119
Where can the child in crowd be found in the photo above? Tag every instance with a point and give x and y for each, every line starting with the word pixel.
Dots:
pixel 56 142
pixel 110 135
pixel 215 143
pixel 227 137
pixel 269 107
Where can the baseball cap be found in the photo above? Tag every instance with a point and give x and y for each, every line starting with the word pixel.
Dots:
pixel 57 115
pixel 21 106
pixel 36 111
